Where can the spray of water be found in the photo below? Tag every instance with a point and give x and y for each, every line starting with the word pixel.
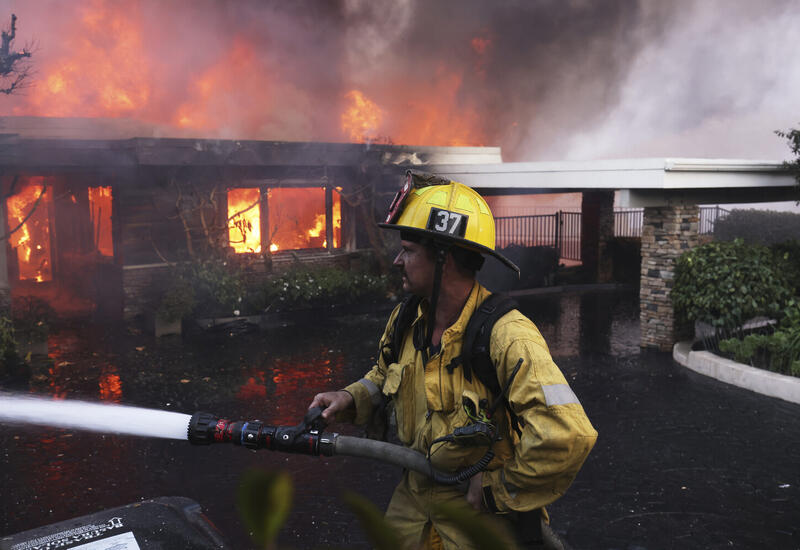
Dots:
pixel 96 417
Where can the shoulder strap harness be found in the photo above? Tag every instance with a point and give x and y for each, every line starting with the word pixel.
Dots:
pixel 475 353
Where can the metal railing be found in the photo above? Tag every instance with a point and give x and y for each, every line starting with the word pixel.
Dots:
pixel 628 221
pixel 709 216
pixel 570 235
pixel 561 230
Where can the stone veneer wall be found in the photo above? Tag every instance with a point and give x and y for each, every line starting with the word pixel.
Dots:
pixel 666 234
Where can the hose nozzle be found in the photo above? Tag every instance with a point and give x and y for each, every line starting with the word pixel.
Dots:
pixel 205 428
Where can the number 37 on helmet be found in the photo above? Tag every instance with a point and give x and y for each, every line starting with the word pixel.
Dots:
pixel 445 211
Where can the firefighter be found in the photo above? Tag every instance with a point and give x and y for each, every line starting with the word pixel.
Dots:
pixel 544 435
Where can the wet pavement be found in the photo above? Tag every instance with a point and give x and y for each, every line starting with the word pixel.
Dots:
pixel 682 461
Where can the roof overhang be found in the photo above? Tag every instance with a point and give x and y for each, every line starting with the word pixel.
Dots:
pixel 641 182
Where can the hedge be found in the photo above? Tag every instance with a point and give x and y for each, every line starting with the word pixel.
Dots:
pixel 758 226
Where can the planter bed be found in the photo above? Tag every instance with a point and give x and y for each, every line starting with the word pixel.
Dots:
pixel 744 376
pixel 293 316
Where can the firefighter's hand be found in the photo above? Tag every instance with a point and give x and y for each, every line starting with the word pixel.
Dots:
pixel 333 402
pixel 475 491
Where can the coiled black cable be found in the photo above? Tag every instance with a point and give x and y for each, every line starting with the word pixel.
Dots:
pixel 465 474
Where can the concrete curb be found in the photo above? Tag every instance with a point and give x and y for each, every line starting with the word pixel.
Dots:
pixel 744 376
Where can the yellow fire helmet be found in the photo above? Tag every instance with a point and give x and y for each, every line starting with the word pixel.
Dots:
pixel 445 211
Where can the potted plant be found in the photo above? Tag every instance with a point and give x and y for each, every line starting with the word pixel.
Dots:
pixel 176 304
pixel 31 318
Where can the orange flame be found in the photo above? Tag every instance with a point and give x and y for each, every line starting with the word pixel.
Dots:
pixel 31 238
pixel 361 120
pixel 437 117
pixel 109 61
pixel 217 95
pixel 297 218
pixel 104 71
pixel 100 201
pixel 244 220
pixel 110 385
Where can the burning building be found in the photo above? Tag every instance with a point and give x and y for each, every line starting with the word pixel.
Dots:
pixel 94 211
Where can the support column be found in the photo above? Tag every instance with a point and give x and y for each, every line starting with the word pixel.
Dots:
pixel 597 229
pixel 667 233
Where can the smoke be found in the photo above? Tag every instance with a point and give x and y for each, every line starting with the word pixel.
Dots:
pixel 718 84
pixel 543 79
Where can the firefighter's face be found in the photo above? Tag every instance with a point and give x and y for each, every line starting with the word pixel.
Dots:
pixel 417 265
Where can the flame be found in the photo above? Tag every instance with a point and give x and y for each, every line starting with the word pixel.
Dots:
pixel 319 225
pixel 436 116
pixel 112 59
pixel 110 385
pixel 361 120
pixel 254 388
pixel 32 239
pixel 103 70
pixel 244 219
pixel 297 218
pixel 432 112
pixel 217 95
pixel 100 201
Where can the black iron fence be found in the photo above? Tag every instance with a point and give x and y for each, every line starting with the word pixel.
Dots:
pixel 561 230
pixel 628 222
pixel 709 216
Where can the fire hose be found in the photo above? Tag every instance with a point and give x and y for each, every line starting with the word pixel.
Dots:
pixel 308 439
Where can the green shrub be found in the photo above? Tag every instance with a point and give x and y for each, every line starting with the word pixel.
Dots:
pixel 8 343
pixel 777 352
pixel 787 254
pixel 32 317
pixel 218 288
pixel 725 284
pixel 177 303
pixel 306 287
pixel 758 226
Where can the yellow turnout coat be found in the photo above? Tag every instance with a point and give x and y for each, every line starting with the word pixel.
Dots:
pixel 528 472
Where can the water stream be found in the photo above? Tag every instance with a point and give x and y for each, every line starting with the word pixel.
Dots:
pixel 95 417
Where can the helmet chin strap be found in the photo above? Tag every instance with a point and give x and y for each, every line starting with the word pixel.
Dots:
pixel 440 251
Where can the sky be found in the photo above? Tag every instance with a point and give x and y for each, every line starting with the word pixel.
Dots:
pixel 542 79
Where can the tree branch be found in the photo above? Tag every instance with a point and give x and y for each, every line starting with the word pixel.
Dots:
pixel 13 68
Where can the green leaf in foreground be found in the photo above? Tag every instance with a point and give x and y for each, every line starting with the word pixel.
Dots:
pixel 483 531
pixel 380 534
pixel 264 500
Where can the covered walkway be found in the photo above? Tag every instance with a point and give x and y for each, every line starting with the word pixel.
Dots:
pixel 669 190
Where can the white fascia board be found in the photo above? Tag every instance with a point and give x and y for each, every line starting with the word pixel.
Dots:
pixel 558 176
pixel 727 180
pixel 721 165
pixel 653 174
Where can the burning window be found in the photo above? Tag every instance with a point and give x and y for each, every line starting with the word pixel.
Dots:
pixel 28 219
pixel 297 218
pixel 244 219
pixel 100 213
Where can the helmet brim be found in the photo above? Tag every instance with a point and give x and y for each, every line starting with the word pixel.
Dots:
pixel 457 241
